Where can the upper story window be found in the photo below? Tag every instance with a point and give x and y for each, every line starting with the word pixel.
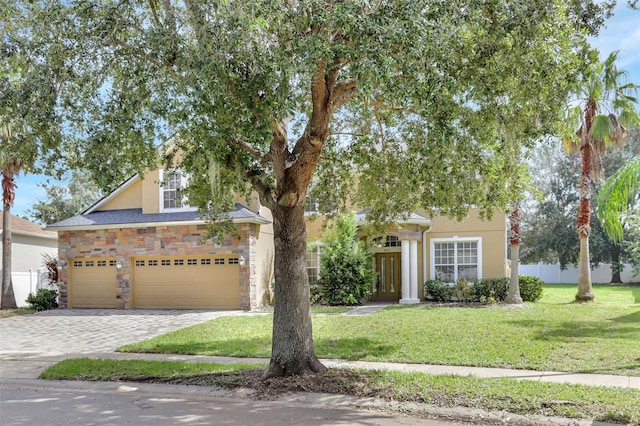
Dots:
pixel 172 196
pixel 311 204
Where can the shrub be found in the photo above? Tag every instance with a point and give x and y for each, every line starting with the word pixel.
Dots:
pixel 44 299
pixel 50 264
pixel 463 290
pixel 437 290
pixel 345 265
pixel 530 288
pixel 491 289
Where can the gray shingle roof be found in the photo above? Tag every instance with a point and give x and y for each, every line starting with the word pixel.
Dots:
pixel 135 216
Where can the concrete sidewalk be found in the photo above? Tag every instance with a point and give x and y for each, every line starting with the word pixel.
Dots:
pixel 20 366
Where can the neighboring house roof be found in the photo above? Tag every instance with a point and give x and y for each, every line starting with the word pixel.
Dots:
pixel 135 218
pixel 412 219
pixel 24 227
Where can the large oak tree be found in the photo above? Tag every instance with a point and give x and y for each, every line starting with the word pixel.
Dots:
pixel 405 97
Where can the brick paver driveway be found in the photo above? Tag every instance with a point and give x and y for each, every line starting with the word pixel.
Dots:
pixel 74 331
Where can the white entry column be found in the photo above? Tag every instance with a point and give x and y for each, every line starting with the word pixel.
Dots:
pixel 413 259
pixel 409 272
pixel 406 268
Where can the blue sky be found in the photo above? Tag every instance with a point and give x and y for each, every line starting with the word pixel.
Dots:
pixel 622 33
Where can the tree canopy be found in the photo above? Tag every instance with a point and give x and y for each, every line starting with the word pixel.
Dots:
pixel 410 99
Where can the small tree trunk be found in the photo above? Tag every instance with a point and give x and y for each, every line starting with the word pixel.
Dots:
pixel 292 350
pixel 585 290
pixel 8 300
pixel 616 266
pixel 513 295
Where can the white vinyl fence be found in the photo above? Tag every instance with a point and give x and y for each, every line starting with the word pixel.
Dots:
pixel 552 274
pixel 25 283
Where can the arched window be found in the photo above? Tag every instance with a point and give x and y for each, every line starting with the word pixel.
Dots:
pixel 387 241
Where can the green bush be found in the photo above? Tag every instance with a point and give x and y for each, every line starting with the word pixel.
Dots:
pixel 530 288
pixel 491 289
pixel 43 300
pixel 437 290
pixel 345 266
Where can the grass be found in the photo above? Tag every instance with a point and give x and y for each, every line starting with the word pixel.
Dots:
pixel 318 309
pixel 552 334
pixel 524 397
pixel 7 313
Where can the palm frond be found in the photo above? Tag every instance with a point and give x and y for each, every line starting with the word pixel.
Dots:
pixel 616 198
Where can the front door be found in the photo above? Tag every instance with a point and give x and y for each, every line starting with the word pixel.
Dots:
pixel 388 284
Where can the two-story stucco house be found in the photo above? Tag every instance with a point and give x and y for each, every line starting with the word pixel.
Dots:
pixel 141 247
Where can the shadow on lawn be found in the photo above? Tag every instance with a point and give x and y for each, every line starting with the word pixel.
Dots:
pixel 573 330
pixel 352 349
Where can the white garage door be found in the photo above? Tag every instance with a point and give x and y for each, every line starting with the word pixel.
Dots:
pixel 186 282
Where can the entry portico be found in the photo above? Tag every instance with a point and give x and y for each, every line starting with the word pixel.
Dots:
pixel 408 235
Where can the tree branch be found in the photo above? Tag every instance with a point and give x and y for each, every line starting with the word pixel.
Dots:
pixel 341 94
pixel 254 153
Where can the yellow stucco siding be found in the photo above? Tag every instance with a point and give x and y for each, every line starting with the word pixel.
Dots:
pixel 129 198
pixel 264 251
pixel 315 228
pixel 151 192
pixel 492 232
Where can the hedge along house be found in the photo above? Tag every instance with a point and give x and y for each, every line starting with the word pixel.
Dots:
pixel 421 248
pixel 143 247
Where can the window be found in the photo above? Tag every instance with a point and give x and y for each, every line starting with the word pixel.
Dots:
pixel 388 241
pixel 311 204
pixel 456 259
pixel 313 263
pixel 172 196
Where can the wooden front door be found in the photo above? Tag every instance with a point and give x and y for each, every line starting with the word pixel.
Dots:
pixel 388 285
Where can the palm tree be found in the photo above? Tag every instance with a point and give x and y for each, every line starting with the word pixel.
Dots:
pixel 617 197
pixel 606 105
pixel 10 166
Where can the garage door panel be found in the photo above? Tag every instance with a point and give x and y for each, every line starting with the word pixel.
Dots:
pixel 186 282
pixel 93 283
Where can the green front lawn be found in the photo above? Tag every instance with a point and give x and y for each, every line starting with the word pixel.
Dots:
pixel 525 397
pixel 552 334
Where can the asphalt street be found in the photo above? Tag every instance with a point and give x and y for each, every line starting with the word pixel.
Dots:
pixel 61 404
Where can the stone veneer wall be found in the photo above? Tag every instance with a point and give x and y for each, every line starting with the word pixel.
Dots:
pixel 125 243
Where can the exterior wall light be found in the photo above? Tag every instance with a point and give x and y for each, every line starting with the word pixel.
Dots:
pixel 241 261
pixel 120 264
pixel 61 263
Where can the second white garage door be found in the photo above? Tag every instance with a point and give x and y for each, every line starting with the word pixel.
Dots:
pixel 186 282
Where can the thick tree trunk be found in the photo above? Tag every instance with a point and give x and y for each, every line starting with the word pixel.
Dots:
pixel 513 295
pixel 292 350
pixel 8 300
pixel 616 266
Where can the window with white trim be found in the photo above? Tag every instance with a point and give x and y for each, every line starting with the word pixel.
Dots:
pixel 172 196
pixel 311 205
pixel 313 263
pixel 387 241
pixel 454 259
